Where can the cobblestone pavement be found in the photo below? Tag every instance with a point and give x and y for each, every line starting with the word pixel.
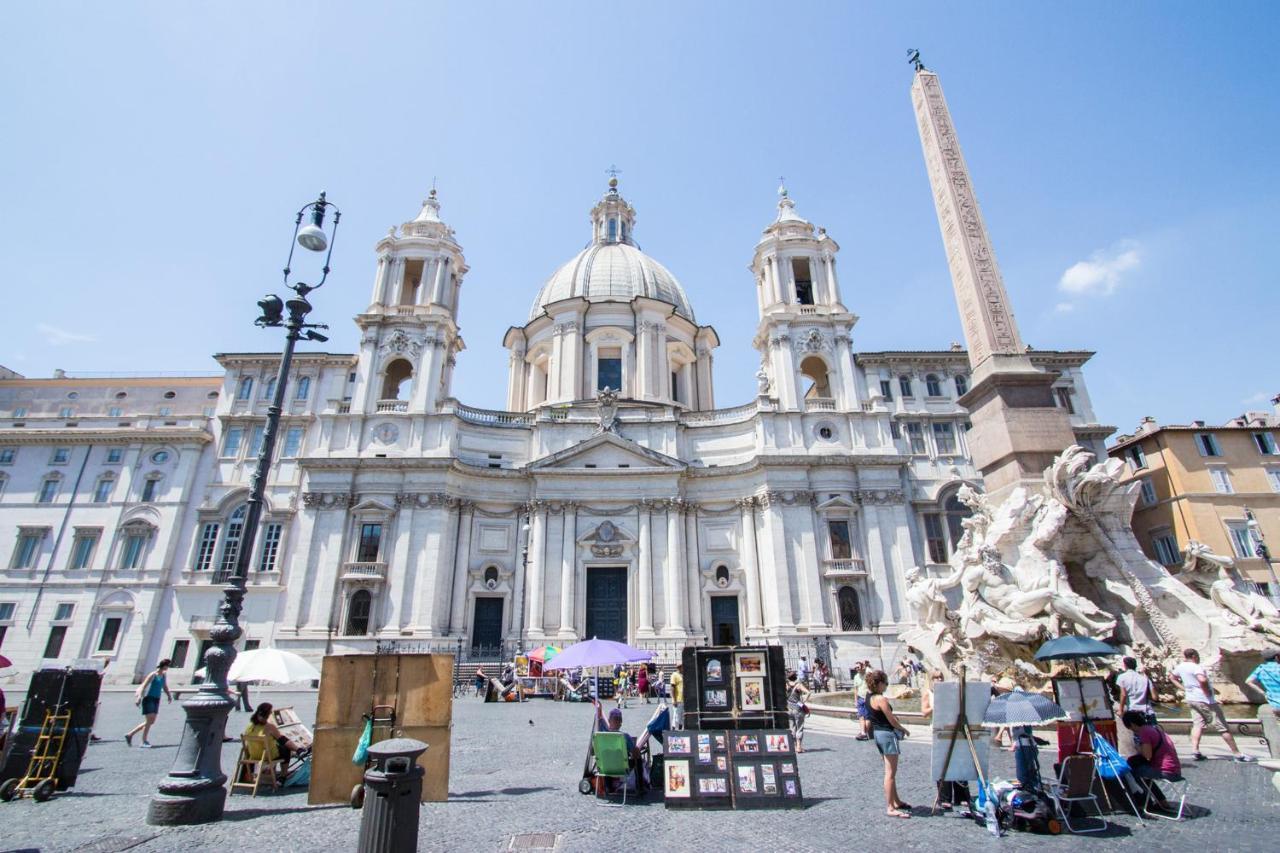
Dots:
pixel 515 770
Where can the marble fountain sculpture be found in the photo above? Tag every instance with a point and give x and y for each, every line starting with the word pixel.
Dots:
pixel 1061 558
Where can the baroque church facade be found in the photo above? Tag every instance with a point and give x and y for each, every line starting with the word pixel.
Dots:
pixel 611 498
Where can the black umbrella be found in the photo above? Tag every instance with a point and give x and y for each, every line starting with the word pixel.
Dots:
pixel 1074 648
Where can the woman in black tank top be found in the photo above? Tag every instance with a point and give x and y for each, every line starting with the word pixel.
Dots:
pixel 887 731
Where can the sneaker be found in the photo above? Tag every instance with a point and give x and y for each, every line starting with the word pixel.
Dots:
pixel 146 744
pixel 1199 756
pixel 128 740
pixel 1245 759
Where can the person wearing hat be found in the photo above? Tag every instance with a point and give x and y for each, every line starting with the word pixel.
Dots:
pixel 1265 679
pixel 615 725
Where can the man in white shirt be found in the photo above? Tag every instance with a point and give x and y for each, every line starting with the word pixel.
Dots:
pixel 1135 691
pixel 1205 710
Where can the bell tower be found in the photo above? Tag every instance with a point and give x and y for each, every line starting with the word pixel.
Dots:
pixel 805 331
pixel 409 333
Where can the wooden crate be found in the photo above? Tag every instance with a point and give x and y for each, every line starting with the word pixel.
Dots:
pixel 420 686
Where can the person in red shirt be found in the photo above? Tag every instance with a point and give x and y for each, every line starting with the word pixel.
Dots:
pixel 1156 758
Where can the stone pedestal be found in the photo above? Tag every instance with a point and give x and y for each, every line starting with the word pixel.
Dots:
pixel 1017 430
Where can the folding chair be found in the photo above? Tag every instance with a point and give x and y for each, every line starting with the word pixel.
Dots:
pixel 1178 787
pixel 1075 785
pixel 612 760
pixel 254 767
pixel 1110 765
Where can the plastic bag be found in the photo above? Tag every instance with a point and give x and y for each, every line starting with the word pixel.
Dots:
pixel 362 747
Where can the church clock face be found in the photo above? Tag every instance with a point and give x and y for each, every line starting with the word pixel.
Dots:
pixel 386 433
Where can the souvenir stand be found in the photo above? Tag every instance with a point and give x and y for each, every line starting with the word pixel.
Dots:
pixel 736 751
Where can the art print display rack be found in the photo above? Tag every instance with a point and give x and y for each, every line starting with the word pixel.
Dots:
pixel 737 751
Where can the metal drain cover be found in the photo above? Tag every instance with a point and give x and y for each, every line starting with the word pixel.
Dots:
pixel 534 841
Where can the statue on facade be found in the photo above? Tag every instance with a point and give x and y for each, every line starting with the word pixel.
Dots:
pixel 1211 575
pixel 762 382
pixel 607 410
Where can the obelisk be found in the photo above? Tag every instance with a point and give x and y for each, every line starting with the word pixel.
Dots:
pixel 1017 429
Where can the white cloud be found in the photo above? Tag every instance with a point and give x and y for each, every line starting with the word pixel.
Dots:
pixel 59 337
pixel 1258 397
pixel 1101 274
pixel 1064 308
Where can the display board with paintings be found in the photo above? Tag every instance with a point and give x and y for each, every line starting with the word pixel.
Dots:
pixel 734 687
pixel 731 769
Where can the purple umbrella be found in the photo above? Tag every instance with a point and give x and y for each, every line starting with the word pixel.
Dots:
pixel 593 653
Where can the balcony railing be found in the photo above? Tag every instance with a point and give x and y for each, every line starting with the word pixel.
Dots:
pixel 737 414
pixel 849 566
pixel 384 406
pixel 493 417
pixel 364 571
pixel 819 404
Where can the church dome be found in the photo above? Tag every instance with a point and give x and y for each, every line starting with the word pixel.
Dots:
pixel 612 268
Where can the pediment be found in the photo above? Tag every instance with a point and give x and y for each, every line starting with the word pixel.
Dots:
pixel 607 452
pixel 838 502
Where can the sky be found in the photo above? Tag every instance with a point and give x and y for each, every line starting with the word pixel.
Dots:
pixel 1124 155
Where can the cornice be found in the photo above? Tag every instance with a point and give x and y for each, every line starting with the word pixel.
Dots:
pixel 122 435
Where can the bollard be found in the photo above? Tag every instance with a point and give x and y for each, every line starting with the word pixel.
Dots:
pixel 392 797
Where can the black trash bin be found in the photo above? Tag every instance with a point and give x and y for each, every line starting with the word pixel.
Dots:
pixel 392 797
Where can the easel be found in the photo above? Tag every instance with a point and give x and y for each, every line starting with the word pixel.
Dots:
pixel 1088 733
pixel 962 725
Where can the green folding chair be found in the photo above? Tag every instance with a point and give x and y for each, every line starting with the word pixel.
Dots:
pixel 612 759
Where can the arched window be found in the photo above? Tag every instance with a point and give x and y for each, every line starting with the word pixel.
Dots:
pixel 613 230
pixel 245 389
pixel 932 386
pixel 722 576
pixel 304 388
pixel 49 489
pixel 397 378
pixel 231 542
pixel 269 390
pixel 358 613
pixel 962 385
pixel 4 481
pixel 904 385
pixel 850 612
pixel 815 370
pixel 956 512
pixel 491 577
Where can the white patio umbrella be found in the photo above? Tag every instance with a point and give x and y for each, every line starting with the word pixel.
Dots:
pixel 273 666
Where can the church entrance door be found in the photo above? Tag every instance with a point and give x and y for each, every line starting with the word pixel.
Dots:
pixel 724 620
pixel 486 631
pixel 607 603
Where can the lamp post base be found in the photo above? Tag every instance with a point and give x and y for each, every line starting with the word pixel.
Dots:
pixel 205 807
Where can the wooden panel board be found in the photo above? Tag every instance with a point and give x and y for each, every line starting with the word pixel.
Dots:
pixel 421 689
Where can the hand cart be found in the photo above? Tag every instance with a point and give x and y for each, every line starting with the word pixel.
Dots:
pixel 40 778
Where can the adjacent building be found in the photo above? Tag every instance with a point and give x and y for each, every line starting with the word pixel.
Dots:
pixel 1217 485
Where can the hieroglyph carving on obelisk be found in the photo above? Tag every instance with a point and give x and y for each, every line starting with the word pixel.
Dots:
pixel 989 326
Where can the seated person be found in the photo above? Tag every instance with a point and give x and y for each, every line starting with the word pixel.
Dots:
pixel 634 758
pixel 278 747
pixel 1156 758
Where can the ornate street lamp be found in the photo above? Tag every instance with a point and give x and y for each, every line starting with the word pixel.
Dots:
pixel 195 789
pixel 1261 550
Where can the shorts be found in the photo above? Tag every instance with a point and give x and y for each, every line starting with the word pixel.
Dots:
pixel 886 742
pixel 864 711
pixel 150 705
pixel 1207 715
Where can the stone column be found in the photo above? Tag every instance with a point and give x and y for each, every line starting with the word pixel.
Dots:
pixel 664 363
pixel 706 393
pixel 835 282
pixel 461 566
pixel 571 354
pixel 644 571
pixel 644 360
pixel 677 621
pixel 395 604
pixel 809 569
pixel 380 279
pixel 568 571
pixel 515 383
pixel 535 589
pixel 844 358
pixel 784 372
pixel 437 288
pixel 751 565
pixel 692 570
pixel 555 365
pixel 775 576
pixel 427 380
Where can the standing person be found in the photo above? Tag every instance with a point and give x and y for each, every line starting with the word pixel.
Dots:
pixel 804 670
pixel 642 682
pixel 797 692
pixel 1205 710
pixel 148 697
pixel 860 701
pixel 887 732
pixel 677 697
pixel 1135 691
pixel 480 680
pixel 1265 679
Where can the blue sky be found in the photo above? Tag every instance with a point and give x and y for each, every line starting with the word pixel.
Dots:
pixel 1123 154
